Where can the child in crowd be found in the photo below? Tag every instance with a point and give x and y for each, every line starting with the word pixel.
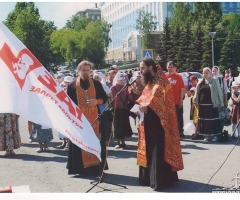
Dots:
pixel 235 114
pixel 194 114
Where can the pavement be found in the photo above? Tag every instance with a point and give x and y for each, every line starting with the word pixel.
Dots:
pixel 46 172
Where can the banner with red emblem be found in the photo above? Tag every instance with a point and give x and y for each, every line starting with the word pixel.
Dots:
pixel 28 89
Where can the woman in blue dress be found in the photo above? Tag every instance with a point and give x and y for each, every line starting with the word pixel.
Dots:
pixel 40 134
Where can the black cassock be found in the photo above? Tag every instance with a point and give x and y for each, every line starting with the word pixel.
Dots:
pixel 75 164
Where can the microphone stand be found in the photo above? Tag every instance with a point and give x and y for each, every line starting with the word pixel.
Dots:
pixel 99 179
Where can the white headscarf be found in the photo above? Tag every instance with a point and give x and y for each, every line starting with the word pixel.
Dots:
pixel 100 75
pixel 207 68
pixel 135 75
pixel 119 76
pixel 217 75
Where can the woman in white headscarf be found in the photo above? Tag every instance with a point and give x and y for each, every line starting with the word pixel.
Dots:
pixel 208 99
pixel 122 128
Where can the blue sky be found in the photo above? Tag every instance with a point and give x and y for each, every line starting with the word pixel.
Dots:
pixel 59 12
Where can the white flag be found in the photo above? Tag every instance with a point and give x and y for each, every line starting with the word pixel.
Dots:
pixel 28 89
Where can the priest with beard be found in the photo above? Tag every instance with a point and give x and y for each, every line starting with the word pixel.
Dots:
pixel 87 94
pixel 159 153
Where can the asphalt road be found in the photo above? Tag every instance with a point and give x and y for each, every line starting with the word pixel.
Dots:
pixel 47 173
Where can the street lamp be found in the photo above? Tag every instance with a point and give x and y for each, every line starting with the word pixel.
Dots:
pixel 212 34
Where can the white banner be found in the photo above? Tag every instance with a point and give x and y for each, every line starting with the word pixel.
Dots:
pixel 28 89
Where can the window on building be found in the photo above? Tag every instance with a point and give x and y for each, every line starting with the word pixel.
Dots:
pixel 150 8
pixel 130 6
pixel 238 4
pixel 93 17
pixel 154 7
pixel 98 17
pixel 231 4
pixel 223 4
pixel 146 8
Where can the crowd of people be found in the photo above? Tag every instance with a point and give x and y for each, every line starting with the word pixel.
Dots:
pixel 109 97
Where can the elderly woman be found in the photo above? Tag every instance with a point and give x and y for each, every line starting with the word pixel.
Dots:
pixel 208 99
pixel 122 128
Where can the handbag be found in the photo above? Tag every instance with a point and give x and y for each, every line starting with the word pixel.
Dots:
pixel 224 136
pixel 225 116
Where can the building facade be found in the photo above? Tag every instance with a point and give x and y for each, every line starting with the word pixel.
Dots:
pixel 126 40
pixel 93 13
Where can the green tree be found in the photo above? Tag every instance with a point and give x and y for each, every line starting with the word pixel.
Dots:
pixel 184 51
pixel 89 43
pixel 207 41
pixel 164 43
pixel 175 43
pixel 145 25
pixel 230 53
pixel 196 50
pixel 181 14
pixel 78 22
pixel 25 22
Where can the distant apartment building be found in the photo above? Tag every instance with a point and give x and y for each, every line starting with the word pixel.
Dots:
pixel 126 40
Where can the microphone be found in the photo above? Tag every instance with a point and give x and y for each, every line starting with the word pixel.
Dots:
pixel 133 81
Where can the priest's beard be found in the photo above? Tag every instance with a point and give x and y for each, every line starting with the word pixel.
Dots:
pixel 147 77
pixel 85 77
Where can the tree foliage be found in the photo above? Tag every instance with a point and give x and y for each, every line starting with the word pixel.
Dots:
pixel 25 22
pixel 190 42
pixel 81 39
pixel 145 25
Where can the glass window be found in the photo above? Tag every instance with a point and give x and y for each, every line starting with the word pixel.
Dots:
pixel 150 8
pixel 154 7
pixel 231 4
pixel 238 4
pixel 146 8
pixel 93 16
pixel 98 17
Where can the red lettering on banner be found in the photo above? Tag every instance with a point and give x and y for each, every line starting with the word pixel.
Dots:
pixel 38 90
pixel 32 89
pixel 79 113
pixel 20 65
pixel 62 96
pixel 49 82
